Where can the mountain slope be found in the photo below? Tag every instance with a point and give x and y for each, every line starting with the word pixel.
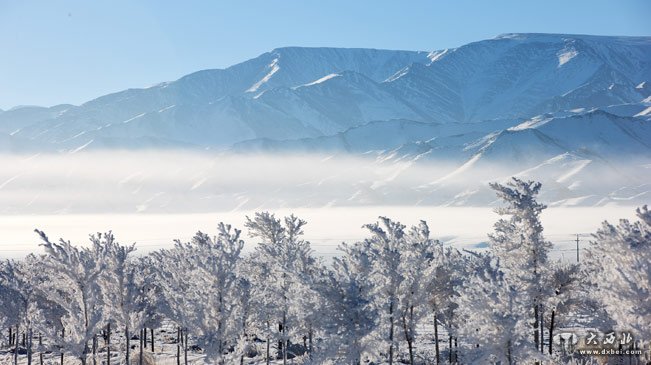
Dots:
pixel 294 92
pixel 521 75
pixel 217 107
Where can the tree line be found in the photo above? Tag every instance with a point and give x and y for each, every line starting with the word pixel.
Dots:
pixel 367 306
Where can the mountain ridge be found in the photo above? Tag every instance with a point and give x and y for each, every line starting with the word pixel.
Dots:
pixel 287 93
pixel 525 102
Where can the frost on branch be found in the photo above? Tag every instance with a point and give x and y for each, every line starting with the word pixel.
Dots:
pixel 619 262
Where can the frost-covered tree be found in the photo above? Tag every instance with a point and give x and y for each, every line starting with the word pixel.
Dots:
pixel 519 244
pixel 619 262
pixel 74 284
pixel 16 299
pixel 200 277
pixel 419 252
pixel 493 310
pixel 310 304
pixel 11 299
pixel 352 317
pixel 284 262
pixel 216 262
pixel 444 277
pixel 566 296
pixel 264 310
pixel 243 313
pixel 31 310
pixel 176 287
pixel 398 261
pixel 385 247
pixel 119 277
pixel 131 292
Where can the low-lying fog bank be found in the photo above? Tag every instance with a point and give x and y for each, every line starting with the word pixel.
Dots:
pixel 185 182
pixel 154 197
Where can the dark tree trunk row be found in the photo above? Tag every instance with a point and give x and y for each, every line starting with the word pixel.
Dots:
pixel 27 341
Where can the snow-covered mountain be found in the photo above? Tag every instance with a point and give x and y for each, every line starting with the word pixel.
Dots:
pixel 219 107
pixel 520 75
pixel 533 104
pixel 592 158
pixel 292 93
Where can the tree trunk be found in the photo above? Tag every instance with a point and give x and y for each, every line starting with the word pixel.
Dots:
pixel 411 338
pixel 551 332
pixel 178 345
pixel 40 345
pixel 142 342
pixel 84 354
pixel 63 334
pixel 279 353
pixel 128 338
pixel 141 339
pixel 94 349
pixel 408 339
pixel 285 340
pixel 108 343
pixel 285 352
pixel 309 341
pixel 185 347
pixel 436 340
pixel 542 330
pixel 244 346
pixel 268 339
pixel 244 336
pixel 450 353
pixel 535 326
pixel 11 336
pixel 29 346
pixel 16 347
pixel 391 333
pixel 508 352
pixel 152 339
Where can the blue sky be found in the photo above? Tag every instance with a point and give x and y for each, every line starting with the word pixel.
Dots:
pixel 72 51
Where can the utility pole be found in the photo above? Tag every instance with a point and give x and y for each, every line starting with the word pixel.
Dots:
pixel 577 248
